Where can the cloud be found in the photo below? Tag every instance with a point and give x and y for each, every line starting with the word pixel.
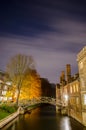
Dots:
pixel 50 58
pixel 52 32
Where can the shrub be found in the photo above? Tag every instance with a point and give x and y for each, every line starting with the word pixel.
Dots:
pixel 8 108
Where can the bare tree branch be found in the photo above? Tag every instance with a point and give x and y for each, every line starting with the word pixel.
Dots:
pixel 17 67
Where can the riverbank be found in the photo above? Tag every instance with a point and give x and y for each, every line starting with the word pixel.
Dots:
pixel 6 109
pixel 3 114
pixel 12 116
pixel 7 119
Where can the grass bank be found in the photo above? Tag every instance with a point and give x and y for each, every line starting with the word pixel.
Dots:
pixel 6 110
pixel 3 114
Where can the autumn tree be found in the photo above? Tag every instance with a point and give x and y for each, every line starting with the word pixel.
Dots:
pixel 16 68
pixel 31 87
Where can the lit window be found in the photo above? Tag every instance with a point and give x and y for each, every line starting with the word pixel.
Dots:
pixel 3 92
pixel 8 83
pixel 77 89
pixel 70 89
pixel 77 100
pixel 10 98
pixel 66 97
pixel 5 98
pixel 74 88
pixel 1 98
pixel 84 99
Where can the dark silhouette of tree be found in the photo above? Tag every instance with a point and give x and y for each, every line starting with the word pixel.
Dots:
pixel 46 87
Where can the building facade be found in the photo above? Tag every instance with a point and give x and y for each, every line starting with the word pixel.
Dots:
pixel 73 90
pixel 74 106
pixel 5 87
pixel 81 59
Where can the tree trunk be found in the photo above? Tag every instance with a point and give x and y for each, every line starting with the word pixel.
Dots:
pixel 17 99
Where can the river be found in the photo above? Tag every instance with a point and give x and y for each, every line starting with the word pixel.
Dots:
pixel 44 118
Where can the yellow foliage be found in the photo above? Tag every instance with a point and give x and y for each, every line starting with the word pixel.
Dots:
pixel 31 86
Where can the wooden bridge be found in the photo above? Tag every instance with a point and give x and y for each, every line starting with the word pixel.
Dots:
pixel 39 100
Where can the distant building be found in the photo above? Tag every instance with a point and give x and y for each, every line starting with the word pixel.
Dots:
pixel 4 87
pixel 71 91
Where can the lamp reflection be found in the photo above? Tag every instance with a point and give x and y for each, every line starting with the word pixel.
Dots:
pixel 65 124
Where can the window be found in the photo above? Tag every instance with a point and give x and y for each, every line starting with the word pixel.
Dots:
pixel 84 99
pixel 5 98
pixel 77 100
pixel 77 89
pixel 3 92
pixel 1 98
pixel 81 65
pixel 5 87
pixel 74 88
pixel 70 89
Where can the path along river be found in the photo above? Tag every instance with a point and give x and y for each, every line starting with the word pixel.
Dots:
pixel 43 118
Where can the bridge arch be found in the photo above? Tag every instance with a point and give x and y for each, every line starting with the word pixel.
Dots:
pixel 39 100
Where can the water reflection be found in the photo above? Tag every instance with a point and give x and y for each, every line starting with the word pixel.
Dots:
pixel 44 118
pixel 65 124
pixel 11 125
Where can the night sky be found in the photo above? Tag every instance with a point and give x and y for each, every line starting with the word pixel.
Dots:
pixel 52 31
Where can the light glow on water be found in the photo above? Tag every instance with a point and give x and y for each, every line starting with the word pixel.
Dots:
pixel 65 124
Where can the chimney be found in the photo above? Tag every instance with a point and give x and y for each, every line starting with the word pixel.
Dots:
pixel 62 78
pixel 68 73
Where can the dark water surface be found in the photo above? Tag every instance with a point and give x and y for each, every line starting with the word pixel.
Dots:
pixel 43 118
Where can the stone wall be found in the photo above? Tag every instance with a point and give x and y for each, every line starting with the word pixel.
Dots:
pixel 9 118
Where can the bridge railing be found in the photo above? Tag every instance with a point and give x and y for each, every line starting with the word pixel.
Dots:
pixel 37 101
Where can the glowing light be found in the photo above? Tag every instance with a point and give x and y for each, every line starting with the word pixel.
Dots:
pixel 8 83
pixel 85 99
pixel 66 97
pixel 5 98
pixel 1 98
pixel 65 124
pixel 4 92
